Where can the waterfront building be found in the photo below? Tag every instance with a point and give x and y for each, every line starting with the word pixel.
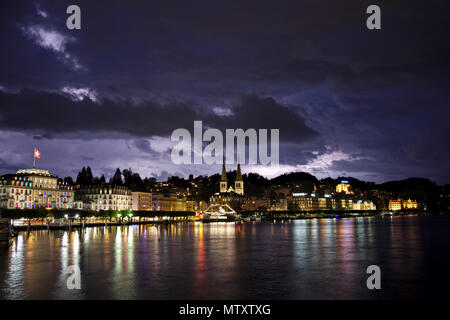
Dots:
pixel 169 201
pixel 104 197
pixel 344 204
pixel 255 204
pixel 304 202
pixel 33 189
pixel 196 206
pixel 410 204
pixel 141 201
pixel 279 205
pixel 395 204
pixel 326 202
pixel 399 204
pixel 364 205
pixel 192 205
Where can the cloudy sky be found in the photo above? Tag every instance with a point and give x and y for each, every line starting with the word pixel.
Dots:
pixel 347 100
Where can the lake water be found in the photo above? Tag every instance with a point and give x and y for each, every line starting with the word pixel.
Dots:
pixel 302 259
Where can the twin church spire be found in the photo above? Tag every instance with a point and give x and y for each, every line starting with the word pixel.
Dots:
pixel 238 182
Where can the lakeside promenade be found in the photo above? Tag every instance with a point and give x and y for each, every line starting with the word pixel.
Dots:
pixel 68 224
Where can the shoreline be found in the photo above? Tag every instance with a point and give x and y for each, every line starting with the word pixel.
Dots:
pixel 69 226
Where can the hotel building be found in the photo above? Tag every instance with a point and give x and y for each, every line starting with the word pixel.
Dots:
pixel 141 201
pixel 399 204
pixel 103 197
pixel 33 189
pixel 170 201
pixel 311 202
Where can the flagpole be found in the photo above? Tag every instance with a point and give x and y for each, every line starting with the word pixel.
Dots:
pixel 34 158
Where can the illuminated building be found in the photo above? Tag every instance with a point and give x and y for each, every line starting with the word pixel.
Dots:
pixel 192 206
pixel 255 204
pixel 344 204
pixel 304 202
pixel 141 201
pixel 34 188
pixel 410 204
pixel 170 201
pixel 238 182
pixel 400 204
pixel 364 205
pixel 344 187
pixel 311 202
pixel 196 206
pixel 395 204
pixel 104 197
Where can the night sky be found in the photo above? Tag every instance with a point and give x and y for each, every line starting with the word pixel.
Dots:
pixel 348 101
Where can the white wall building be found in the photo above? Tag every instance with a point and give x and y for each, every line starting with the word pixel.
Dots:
pixel 33 189
pixel 104 197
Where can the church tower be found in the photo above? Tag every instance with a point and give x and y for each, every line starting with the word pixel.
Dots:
pixel 239 182
pixel 223 178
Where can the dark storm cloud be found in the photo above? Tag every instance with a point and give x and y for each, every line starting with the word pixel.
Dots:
pixel 256 112
pixel 58 114
pixel 54 114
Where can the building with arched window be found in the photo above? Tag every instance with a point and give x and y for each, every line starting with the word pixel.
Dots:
pixel 33 189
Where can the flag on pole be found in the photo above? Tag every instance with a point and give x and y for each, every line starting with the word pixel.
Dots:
pixel 37 153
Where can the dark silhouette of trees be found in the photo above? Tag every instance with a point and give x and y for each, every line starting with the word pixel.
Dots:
pixel 133 180
pixel 85 177
pixel 117 178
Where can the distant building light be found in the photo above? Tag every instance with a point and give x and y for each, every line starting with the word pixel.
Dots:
pixel 344 181
pixel 299 194
pixel 328 196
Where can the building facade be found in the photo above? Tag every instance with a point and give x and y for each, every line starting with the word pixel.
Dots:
pixel 312 202
pixel 104 197
pixel 399 204
pixel 34 189
pixel 141 201
pixel 169 201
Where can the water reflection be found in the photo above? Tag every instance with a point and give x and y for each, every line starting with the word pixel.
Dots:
pixel 303 259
